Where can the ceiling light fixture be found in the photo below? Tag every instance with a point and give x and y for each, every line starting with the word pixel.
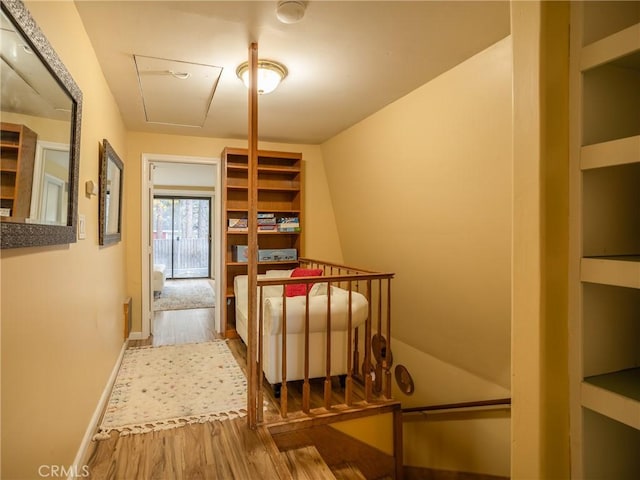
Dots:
pixel 270 74
pixel 290 11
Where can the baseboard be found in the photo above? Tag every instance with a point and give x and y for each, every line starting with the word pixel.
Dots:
pixel 136 336
pixel 79 461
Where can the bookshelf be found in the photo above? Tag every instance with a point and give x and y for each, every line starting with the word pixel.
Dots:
pixel 605 303
pixel 280 195
pixel 17 158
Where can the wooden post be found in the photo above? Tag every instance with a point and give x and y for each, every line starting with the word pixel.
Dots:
pixel 260 397
pixel 283 389
pixel 366 369
pixel 252 235
pixel 377 385
pixel 356 352
pixel 327 380
pixel 348 385
pixel 306 386
pixel 387 363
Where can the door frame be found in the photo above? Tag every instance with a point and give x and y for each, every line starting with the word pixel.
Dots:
pixel 145 265
pixel 42 146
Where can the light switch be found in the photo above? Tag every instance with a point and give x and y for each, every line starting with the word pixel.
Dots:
pixel 82 227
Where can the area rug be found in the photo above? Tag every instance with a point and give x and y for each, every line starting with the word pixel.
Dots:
pixel 159 388
pixel 184 295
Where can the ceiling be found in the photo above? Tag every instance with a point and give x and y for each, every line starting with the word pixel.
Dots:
pixel 27 86
pixel 346 59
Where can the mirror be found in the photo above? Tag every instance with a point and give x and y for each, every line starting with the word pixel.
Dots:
pixel 110 213
pixel 40 136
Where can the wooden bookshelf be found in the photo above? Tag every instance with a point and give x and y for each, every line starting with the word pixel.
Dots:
pixel 280 192
pixel 17 158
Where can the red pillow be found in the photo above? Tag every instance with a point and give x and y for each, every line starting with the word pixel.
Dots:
pixel 297 289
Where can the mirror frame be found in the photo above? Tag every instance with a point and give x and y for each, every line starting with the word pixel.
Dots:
pixel 107 153
pixel 14 235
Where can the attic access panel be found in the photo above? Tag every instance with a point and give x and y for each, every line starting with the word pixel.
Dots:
pixel 175 92
pixel 27 86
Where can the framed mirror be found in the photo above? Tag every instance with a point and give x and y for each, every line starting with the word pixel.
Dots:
pixel 41 108
pixel 110 210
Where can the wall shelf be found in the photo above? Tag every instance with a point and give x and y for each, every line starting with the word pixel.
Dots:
pixel 281 263
pixel 230 232
pixel 611 48
pixel 622 151
pixel 615 395
pixel 605 298
pixel 623 271
pixel 17 158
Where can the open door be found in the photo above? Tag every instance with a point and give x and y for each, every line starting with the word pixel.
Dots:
pixel 150 253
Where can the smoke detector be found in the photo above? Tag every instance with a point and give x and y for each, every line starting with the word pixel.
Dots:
pixel 290 11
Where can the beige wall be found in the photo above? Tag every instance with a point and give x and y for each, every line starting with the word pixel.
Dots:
pixel 464 441
pixel 423 188
pixel 320 233
pixel 47 129
pixel 61 308
pixel 427 182
pixel 456 441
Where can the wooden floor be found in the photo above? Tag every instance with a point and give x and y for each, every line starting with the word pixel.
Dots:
pixel 171 327
pixel 338 449
pixel 212 450
pixel 218 450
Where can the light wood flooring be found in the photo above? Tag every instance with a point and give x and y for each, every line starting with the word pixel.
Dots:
pixel 171 327
pixel 211 450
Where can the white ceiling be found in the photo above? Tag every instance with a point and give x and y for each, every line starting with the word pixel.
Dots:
pixel 27 86
pixel 346 59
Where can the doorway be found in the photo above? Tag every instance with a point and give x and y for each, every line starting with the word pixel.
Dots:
pixel 181 181
pixel 182 236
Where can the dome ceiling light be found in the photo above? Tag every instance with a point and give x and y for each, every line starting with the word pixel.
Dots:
pixel 270 74
pixel 290 11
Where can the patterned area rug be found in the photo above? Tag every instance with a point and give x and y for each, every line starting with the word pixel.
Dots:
pixel 159 388
pixel 185 294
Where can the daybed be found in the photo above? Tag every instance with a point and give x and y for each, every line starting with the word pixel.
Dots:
pixel 295 307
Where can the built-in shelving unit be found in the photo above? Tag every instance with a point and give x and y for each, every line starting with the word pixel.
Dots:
pixel 605 309
pixel 17 157
pixel 279 193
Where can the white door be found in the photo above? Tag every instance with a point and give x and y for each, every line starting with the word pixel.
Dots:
pixel 53 200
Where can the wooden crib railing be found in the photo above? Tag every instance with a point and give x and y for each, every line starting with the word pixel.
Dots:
pixel 375 377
